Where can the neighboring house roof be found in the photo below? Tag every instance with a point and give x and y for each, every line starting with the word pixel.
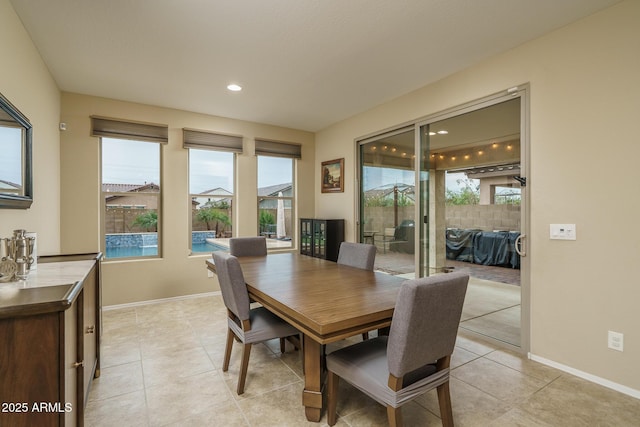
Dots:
pixel 129 188
pixel 273 190
pixel 8 185
pixel 218 191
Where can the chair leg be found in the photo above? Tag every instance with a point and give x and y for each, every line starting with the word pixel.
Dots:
pixel 282 345
pixel 227 350
pixel 246 352
pixel 365 336
pixel 332 397
pixel 395 416
pixel 444 401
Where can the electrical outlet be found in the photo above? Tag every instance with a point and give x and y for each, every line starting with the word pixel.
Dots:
pixel 616 341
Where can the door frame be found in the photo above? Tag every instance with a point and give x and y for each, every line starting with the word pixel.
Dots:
pixel 523 92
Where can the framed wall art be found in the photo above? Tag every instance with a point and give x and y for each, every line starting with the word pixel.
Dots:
pixel 332 176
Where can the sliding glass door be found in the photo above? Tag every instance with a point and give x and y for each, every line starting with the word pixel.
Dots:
pixel 471 201
pixel 447 194
pixel 387 199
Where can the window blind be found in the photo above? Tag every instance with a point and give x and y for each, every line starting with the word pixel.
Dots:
pixel 209 140
pixel 278 149
pixel 116 128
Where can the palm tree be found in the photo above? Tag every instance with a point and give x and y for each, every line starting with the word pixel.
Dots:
pixel 147 220
pixel 209 215
pixel 266 219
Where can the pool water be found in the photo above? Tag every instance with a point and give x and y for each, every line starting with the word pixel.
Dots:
pixel 131 251
pixel 207 247
pixel 142 251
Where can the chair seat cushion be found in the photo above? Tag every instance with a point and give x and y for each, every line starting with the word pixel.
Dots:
pixel 264 326
pixel 364 365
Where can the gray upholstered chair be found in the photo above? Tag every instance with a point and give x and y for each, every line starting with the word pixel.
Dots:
pixel 414 358
pixel 248 325
pixel 248 246
pixel 359 255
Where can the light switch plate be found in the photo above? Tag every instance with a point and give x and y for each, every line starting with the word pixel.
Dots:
pixel 562 231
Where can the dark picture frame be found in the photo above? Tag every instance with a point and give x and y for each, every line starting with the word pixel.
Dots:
pixel 332 176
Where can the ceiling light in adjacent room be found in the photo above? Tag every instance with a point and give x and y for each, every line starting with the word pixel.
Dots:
pixel 234 87
pixel 443 132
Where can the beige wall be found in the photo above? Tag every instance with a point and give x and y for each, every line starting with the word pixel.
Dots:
pixel 27 84
pixel 584 106
pixel 585 102
pixel 176 273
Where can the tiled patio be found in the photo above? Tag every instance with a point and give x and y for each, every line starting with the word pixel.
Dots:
pixel 492 304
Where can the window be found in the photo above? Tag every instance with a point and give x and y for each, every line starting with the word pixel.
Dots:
pixel 276 216
pixel 211 193
pixel 131 197
pixel 211 187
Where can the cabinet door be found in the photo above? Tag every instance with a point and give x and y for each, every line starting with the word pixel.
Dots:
pixel 90 332
pixel 320 239
pixel 29 369
pixel 306 237
pixel 72 359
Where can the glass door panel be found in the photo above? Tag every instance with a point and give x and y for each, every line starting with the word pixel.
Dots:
pixel 471 199
pixel 387 202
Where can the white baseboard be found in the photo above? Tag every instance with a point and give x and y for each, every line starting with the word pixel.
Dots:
pixel 589 377
pixel 155 301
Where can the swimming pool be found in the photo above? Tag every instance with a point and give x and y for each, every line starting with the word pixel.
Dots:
pixel 207 247
pixel 141 251
pixel 130 251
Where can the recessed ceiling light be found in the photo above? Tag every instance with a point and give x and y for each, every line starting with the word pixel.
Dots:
pixel 234 87
pixel 443 132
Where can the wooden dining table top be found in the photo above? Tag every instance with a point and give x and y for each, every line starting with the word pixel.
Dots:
pixel 325 300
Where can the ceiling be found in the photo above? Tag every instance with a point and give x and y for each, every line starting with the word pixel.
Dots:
pixel 303 64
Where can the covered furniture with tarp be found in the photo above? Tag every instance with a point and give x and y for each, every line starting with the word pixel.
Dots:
pixel 483 247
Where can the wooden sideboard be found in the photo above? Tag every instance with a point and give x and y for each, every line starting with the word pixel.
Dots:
pixel 50 327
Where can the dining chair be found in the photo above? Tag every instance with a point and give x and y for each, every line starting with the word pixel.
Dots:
pixel 248 246
pixel 414 358
pixel 248 325
pixel 359 255
pixel 388 236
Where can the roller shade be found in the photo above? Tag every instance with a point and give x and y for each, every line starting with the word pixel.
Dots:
pixel 116 128
pixel 279 149
pixel 209 140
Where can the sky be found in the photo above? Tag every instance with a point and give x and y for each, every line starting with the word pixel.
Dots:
pixel 10 154
pixel 131 162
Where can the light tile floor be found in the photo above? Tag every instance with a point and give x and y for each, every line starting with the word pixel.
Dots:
pixel 161 366
pixel 492 309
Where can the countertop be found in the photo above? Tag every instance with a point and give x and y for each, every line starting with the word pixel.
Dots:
pixel 53 286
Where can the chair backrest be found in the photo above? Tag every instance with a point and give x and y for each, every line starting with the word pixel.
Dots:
pixel 232 284
pixel 359 255
pixel 390 232
pixel 425 321
pixel 248 246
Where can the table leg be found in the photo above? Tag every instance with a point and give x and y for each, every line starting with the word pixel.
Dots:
pixel 313 384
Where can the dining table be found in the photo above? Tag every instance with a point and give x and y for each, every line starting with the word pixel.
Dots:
pixel 326 301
